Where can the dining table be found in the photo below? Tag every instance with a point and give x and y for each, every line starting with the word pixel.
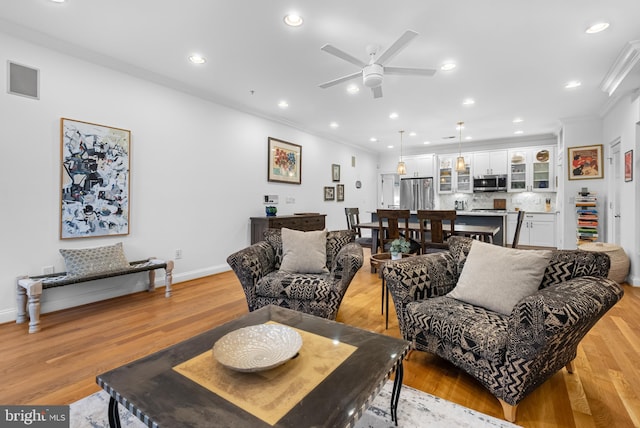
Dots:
pixel 483 233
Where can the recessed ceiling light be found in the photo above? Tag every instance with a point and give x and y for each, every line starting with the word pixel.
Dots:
pixel 469 102
pixel 334 124
pixel 448 66
pixel 468 137
pixel 58 1
pixel 293 20
pixel 390 147
pixel 393 115
pixel 573 84
pixel 197 59
pixel 518 120
pixel 373 139
pixel 412 134
pixel 519 132
pixel 353 89
pixel 597 27
pixel 283 104
pixel 427 142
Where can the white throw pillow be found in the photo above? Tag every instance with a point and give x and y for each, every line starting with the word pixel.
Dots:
pixel 304 252
pixel 497 278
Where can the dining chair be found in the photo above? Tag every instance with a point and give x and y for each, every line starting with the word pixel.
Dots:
pixel 353 218
pixel 392 225
pixel 432 239
pixel 516 235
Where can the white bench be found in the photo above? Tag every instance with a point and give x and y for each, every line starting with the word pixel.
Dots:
pixel 30 288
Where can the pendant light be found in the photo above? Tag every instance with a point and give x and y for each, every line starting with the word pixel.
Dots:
pixel 460 165
pixel 402 168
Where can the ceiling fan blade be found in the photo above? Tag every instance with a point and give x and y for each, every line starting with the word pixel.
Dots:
pixel 377 92
pixel 396 47
pixel 342 54
pixel 333 82
pixel 409 71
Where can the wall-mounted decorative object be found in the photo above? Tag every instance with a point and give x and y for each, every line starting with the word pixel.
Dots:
pixel 329 193
pixel 335 172
pixel 340 192
pixel 284 162
pixel 94 180
pixel 628 165
pixel 358 184
pixel 585 162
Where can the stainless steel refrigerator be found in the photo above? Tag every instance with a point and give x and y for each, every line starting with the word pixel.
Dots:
pixel 416 193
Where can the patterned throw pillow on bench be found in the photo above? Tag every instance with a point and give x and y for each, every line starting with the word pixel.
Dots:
pixel 96 260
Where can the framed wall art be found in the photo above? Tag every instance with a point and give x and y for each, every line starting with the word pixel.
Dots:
pixel 335 172
pixel 284 162
pixel 585 162
pixel 628 165
pixel 94 180
pixel 340 192
pixel 329 193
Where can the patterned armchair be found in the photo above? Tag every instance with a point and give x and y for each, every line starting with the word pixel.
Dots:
pixel 510 355
pixel 318 294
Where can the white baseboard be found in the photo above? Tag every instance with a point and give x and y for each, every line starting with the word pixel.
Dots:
pixel 58 298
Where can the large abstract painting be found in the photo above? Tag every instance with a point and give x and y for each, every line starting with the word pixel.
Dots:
pixel 94 180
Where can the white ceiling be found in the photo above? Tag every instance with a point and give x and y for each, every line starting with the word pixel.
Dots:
pixel 514 58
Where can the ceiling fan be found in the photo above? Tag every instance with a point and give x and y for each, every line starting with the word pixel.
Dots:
pixel 373 72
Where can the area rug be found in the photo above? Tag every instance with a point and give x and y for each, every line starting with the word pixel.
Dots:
pixel 416 409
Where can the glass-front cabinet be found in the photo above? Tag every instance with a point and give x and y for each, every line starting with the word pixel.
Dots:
pixel 445 174
pixel 531 170
pixel 451 181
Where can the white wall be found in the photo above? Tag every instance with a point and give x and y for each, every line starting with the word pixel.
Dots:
pixel 198 173
pixel 622 124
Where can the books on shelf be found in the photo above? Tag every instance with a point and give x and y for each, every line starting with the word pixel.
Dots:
pixel 587 223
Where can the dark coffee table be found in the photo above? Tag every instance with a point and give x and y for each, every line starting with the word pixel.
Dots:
pixel 154 390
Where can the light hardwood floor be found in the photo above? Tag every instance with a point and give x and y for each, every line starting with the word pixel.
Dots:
pixel 59 364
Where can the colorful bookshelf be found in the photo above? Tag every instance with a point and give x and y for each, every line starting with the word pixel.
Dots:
pixel 586 208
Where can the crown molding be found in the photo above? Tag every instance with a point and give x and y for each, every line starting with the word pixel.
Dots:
pixel 621 67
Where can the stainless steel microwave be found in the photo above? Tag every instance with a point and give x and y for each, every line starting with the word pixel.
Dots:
pixel 490 183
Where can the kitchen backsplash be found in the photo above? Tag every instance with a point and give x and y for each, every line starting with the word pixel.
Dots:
pixel 527 201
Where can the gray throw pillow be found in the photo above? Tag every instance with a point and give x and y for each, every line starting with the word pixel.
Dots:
pixel 91 261
pixel 304 252
pixel 497 278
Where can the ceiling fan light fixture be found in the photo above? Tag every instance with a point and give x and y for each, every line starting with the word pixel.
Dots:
pixel 372 75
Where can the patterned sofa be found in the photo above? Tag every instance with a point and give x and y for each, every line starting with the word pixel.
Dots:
pixel 513 354
pixel 318 294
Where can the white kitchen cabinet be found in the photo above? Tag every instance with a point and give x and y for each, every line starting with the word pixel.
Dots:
pixel 419 165
pixel 538 229
pixel 531 170
pixel 492 162
pixel 451 181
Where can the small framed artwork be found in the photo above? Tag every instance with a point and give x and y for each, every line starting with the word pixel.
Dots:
pixel 284 162
pixel 340 192
pixel 94 180
pixel 585 162
pixel 628 165
pixel 335 172
pixel 329 193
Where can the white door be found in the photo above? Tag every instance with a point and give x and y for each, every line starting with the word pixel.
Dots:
pixel 615 183
pixel 390 195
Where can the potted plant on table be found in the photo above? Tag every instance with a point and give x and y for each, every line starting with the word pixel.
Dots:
pixel 398 247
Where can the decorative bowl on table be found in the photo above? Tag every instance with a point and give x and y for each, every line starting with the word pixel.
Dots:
pixel 258 347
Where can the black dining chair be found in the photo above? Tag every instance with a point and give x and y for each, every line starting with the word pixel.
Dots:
pixel 516 235
pixel 353 219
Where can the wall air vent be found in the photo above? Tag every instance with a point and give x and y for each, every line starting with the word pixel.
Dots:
pixel 23 80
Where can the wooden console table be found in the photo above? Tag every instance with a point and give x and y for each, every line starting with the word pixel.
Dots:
pixel 306 222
